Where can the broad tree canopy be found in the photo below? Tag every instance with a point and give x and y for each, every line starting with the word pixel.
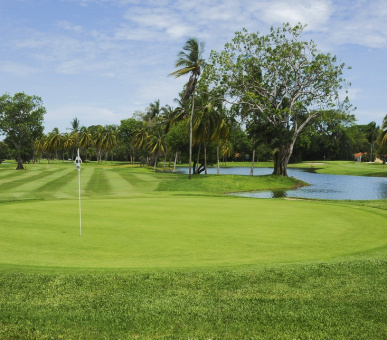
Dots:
pixel 283 80
pixel 21 118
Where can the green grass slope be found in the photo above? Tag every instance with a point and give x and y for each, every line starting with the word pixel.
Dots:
pixel 197 232
pixel 163 257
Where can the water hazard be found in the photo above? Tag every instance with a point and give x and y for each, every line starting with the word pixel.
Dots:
pixel 333 187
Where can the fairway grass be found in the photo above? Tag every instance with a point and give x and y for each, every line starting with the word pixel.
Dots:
pixel 167 258
pixel 348 168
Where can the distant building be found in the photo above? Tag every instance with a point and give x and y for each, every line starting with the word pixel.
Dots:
pixel 358 157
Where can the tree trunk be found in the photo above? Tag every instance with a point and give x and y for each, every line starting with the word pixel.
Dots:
pixel 156 158
pixel 197 161
pixel 205 158
pixel 190 136
pixel 217 159
pixel 20 165
pixel 281 159
pixel 174 164
pixel 165 158
pixel 170 160
pixel 252 164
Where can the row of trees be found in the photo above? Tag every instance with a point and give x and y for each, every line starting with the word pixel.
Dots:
pixel 263 97
pixel 163 133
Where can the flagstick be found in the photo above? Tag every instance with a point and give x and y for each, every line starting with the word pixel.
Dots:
pixel 79 195
pixel 78 166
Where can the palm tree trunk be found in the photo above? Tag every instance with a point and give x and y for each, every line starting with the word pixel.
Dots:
pixel 190 136
pixel 165 157
pixel 252 164
pixel 217 159
pixel 156 158
pixel 197 160
pixel 174 164
pixel 205 158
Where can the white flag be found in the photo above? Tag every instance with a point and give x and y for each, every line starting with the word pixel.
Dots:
pixel 78 162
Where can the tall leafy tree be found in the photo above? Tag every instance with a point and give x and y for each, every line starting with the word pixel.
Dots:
pixel 372 134
pixel 21 120
pixel 382 141
pixel 39 146
pixel 55 142
pixel 177 140
pixel 4 151
pixel 99 140
pixel 85 139
pixel 208 122
pixel 285 80
pixel 69 142
pixel 153 110
pixel 190 61
pixel 75 130
pixel 110 138
pixel 126 131
pixel 141 137
pixel 156 145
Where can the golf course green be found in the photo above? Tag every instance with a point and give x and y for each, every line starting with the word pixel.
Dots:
pixel 162 256
pixel 165 233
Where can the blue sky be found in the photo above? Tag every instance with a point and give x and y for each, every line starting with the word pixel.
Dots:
pixel 102 60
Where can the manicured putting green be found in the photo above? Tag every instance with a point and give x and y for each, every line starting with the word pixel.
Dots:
pixel 194 232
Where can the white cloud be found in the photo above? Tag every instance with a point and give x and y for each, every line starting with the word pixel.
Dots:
pixel 134 43
pixel 359 22
pixel 69 27
pixel 17 69
pixel 92 114
pixel 367 116
pixel 314 13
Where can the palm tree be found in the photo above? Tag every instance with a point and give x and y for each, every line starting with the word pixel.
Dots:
pixel 85 139
pixel 221 134
pixel 189 61
pixel 372 132
pixel 226 150
pixel 98 140
pixel 384 129
pixel 382 141
pixel 110 138
pixel 204 126
pixel 68 142
pixel 156 145
pixel 55 142
pixel 153 110
pixel 141 138
pixel 75 125
pixel 167 117
pixel 75 129
pixel 39 147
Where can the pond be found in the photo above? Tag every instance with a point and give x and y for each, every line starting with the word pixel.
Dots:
pixel 332 187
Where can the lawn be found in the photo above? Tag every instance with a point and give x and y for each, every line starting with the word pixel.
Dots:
pixel 164 257
pixel 348 168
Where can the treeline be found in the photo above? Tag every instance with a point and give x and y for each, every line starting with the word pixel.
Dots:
pixel 161 133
